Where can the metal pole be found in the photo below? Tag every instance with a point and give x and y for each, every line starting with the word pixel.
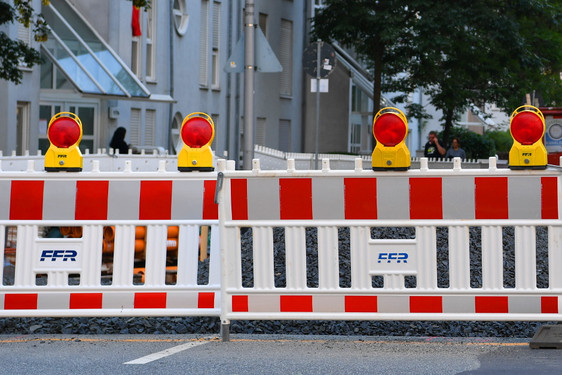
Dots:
pixel 318 55
pixel 249 69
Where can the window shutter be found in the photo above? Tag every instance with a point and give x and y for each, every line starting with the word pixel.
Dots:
pixel 150 120
pixel 204 45
pixel 260 131
pixel 285 135
pixel 134 129
pixel 286 58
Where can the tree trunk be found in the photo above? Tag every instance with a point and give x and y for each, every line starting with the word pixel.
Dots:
pixel 378 77
pixel 448 125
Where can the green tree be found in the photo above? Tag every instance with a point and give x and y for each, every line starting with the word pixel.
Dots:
pixel 460 53
pixel 491 51
pixel 14 52
pixel 377 30
pixel 475 146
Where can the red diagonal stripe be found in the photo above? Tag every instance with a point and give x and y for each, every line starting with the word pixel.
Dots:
pixel 150 300
pixel 426 198
pixel 549 305
pixel 239 303
pixel 210 208
pixel 206 300
pixel 295 198
pixel 239 198
pixel 26 200
pixel 426 304
pixel 155 200
pixel 91 200
pixel 549 197
pixel 86 300
pixel 488 304
pixel 361 304
pixel 360 198
pixel 296 303
pixel 490 198
pixel 20 301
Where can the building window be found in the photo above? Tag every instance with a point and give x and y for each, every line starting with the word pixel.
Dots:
pixel 359 100
pixel 181 17
pixel 262 22
pixel 286 58
pixel 285 135
pixel 87 112
pixel 354 137
pixel 216 43
pixel 177 142
pixel 215 118
pixel 135 127
pixel 136 56
pixel 51 76
pixel 141 133
pixel 150 121
pixel 260 131
pixel 24 35
pixel 151 42
pixel 22 124
pixel 204 45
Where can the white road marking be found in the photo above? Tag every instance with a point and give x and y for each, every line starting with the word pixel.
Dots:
pixel 164 353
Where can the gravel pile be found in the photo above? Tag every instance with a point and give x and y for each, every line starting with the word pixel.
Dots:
pixel 211 325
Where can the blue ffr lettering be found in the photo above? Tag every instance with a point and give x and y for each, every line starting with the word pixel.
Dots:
pixel 46 254
pixel 70 254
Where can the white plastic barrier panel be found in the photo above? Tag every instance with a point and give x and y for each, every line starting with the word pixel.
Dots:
pixel 364 245
pixel 109 244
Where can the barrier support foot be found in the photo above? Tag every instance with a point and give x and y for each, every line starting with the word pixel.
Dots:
pixel 225 332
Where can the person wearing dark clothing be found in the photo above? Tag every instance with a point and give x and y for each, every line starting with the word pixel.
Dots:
pixel 455 150
pixel 118 141
pixel 433 148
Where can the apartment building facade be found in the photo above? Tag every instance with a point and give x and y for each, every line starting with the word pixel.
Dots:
pixel 94 66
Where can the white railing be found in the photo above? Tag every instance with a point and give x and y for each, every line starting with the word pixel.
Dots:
pixel 109 243
pixel 266 218
pixel 294 244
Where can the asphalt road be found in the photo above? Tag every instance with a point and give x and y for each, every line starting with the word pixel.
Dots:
pixel 267 354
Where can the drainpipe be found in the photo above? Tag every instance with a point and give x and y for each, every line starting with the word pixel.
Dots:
pixel 171 77
pixel 249 70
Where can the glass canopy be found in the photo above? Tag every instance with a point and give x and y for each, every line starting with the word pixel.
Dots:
pixel 87 61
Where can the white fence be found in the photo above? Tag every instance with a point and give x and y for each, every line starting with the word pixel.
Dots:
pixel 271 159
pixel 292 244
pixel 266 218
pixel 109 244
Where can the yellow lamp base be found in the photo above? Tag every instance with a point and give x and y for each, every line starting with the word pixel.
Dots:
pixel 528 157
pixel 63 159
pixel 195 159
pixel 395 158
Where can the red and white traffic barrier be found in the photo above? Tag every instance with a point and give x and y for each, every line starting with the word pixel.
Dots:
pixel 424 199
pixel 56 262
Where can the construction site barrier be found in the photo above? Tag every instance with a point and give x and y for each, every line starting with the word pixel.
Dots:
pixel 132 243
pixel 390 278
pixel 109 244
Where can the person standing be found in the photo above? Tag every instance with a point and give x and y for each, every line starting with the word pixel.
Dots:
pixel 118 141
pixel 455 150
pixel 433 148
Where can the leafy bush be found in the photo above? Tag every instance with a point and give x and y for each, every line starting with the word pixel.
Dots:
pixel 474 145
pixel 502 139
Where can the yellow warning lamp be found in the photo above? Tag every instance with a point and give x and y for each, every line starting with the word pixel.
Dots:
pixel 64 133
pixel 390 129
pixel 197 132
pixel 527 127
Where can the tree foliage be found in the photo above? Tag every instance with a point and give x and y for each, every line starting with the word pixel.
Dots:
pixel 459 53
pixel 377 30
pixel 14 53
